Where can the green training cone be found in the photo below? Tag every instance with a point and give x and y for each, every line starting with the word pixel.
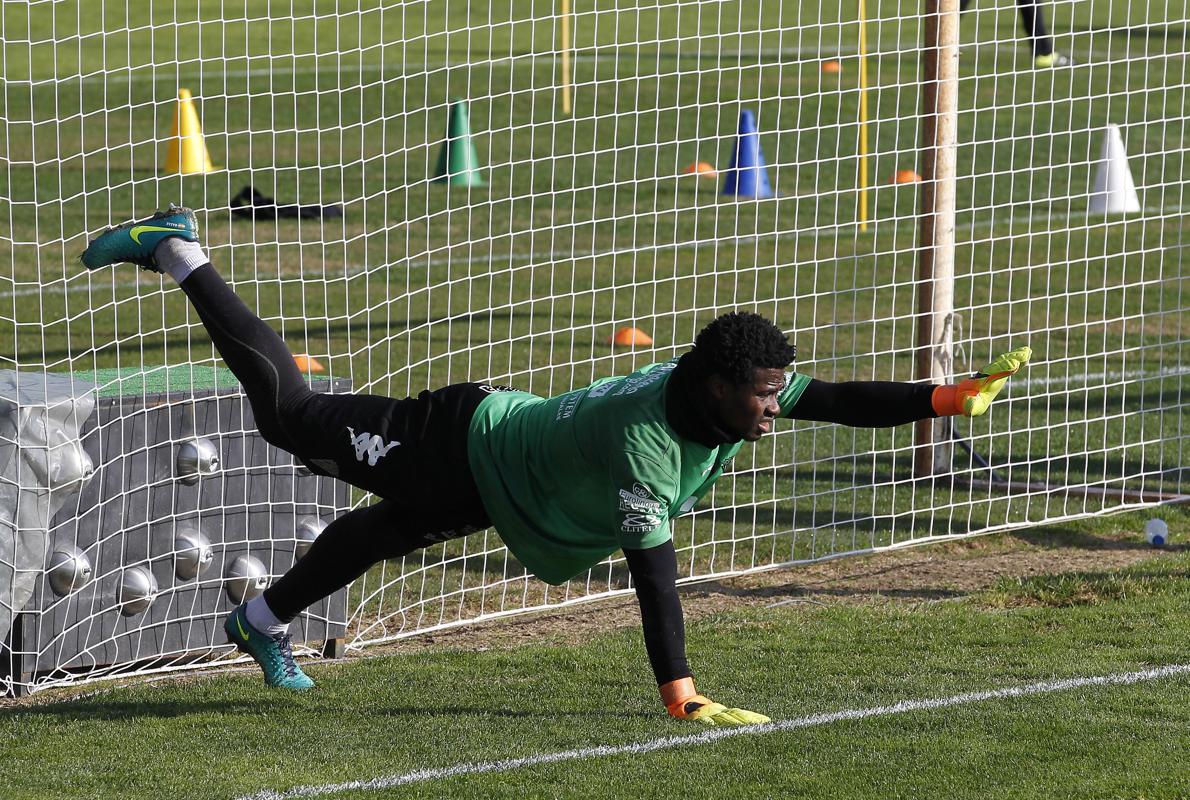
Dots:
pixel 458 163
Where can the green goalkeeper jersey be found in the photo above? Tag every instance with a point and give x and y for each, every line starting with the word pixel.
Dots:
pixel 568 480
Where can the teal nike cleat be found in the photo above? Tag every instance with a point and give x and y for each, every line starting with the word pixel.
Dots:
pixel 273 654
pixel 134 242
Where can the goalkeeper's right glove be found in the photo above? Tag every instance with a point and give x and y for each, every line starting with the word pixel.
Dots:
pixel 683 702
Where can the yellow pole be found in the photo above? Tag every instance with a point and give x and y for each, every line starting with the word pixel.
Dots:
pixel 566 56
pixel 863 117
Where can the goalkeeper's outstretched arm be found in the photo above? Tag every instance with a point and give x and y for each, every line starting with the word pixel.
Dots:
pixel 856 403
pixel 883 404
pixel 654 573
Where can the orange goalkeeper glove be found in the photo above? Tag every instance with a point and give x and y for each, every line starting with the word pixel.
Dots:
pixel 971 397
pixel 683 702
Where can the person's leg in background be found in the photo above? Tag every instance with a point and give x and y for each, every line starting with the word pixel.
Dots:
pixel 1033 21
pixel 1040 41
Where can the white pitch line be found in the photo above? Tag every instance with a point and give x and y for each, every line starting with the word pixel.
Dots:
pixel 1096 379
pixel 717 734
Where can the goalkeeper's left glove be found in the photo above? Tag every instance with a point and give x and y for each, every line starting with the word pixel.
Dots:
pixel 971 397
pixel 683 702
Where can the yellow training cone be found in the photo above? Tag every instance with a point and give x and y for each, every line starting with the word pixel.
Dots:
pixel 187 153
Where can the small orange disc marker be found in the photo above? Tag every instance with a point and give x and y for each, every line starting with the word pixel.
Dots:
pixel 701 168
pixel 906 176
pixel 631 337
pixel 308 364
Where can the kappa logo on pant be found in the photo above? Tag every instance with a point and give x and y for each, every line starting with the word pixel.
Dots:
pixel 370 445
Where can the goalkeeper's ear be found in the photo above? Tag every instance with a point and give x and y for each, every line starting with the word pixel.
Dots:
pixel 973 396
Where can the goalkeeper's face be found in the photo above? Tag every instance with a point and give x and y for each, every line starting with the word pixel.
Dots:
pixel 749 409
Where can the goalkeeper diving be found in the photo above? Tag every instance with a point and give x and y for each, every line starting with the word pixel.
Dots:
pixel 566 481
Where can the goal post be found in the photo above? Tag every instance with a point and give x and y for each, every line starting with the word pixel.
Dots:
pixel 935 288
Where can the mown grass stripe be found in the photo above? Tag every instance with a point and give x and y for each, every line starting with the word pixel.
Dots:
pixel 539 257
pixel 1086 57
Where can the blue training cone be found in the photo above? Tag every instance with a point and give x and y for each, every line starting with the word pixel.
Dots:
pixel 747 176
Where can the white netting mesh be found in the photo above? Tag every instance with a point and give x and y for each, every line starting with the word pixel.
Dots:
pixel 587 222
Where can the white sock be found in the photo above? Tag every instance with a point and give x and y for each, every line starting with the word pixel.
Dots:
pixel 178 257
pixel 260 616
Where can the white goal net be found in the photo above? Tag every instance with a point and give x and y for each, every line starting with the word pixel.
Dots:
pixel 454 191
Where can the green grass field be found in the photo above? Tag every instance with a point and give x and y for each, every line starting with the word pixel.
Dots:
pixel 586 224
pixel 805 651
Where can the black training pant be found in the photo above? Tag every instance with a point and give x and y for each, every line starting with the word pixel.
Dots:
pixel 411 453
pixel 1033 22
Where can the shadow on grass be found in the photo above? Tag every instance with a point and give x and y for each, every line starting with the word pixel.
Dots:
pixel 1066 590
pixel 1171 33
pixel 1052 538
pixel 875 528
pixel 793 593
pixel 473 712
pixel 112 710
pixel 867 471
pixel 1072 402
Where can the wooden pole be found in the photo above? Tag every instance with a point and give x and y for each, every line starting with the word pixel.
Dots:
pixel 565 56
pixel 935 294
pixel 863 116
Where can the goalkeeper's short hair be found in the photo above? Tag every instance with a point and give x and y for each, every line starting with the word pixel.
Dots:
pixel 734 345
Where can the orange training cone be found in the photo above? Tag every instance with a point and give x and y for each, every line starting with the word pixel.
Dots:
pixel 631 337
pixel 906 176
pixel 307 363
pixel 187 153
pixel 702 169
